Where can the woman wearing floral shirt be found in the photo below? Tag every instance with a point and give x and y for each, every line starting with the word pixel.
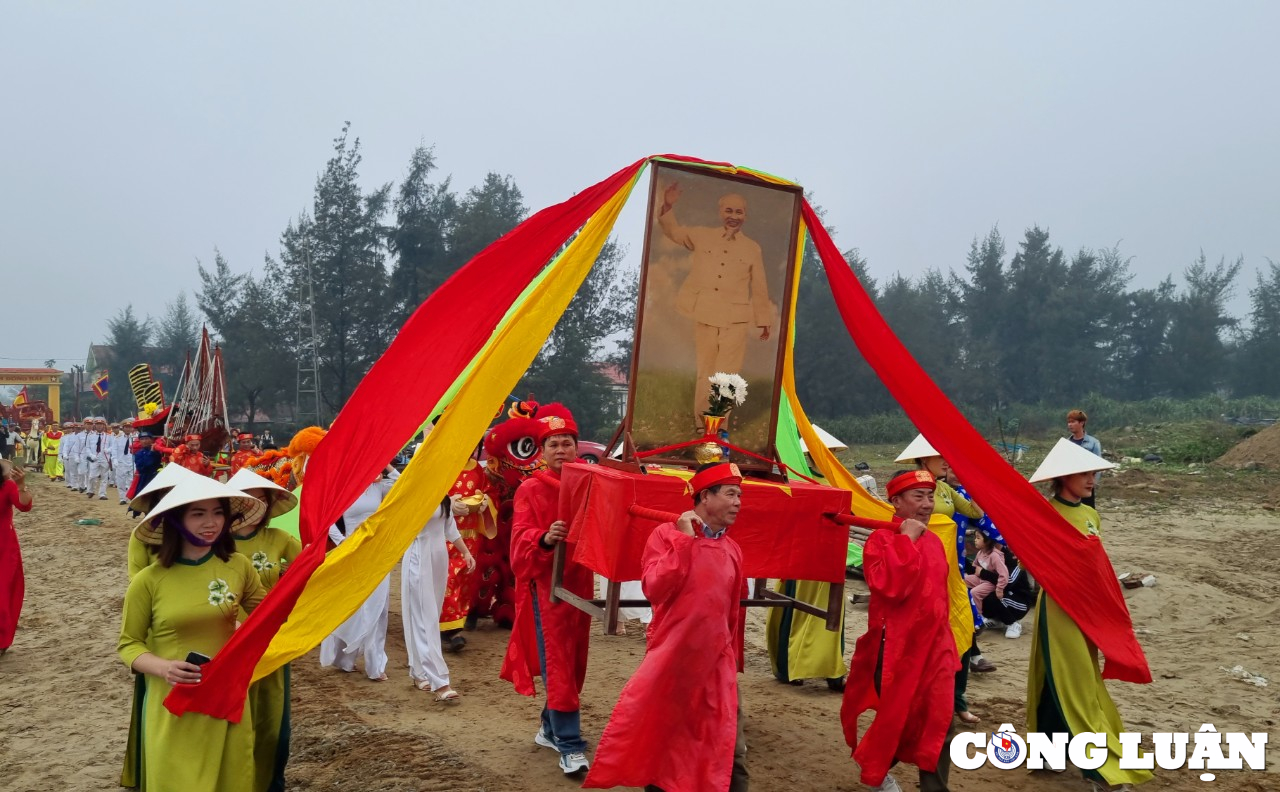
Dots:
pixel 269 550
pixel 189 601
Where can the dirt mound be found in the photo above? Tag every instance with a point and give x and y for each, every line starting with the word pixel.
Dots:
pixel 1262 448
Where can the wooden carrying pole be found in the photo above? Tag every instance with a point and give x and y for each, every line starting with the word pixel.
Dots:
pixel 607 609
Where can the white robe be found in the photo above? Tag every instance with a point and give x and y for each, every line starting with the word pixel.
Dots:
pixel 423 575
pixel 366 631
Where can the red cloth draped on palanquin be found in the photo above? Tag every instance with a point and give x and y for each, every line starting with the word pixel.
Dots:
pixel 781 528
pixel 675 723
pixel 907 620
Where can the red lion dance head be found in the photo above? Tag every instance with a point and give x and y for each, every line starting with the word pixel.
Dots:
pixel 512 445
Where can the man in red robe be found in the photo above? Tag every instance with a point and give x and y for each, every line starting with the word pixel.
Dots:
pixel 904 665
pixel 677 726
pixel 244 452
pixel 191 457
pixel 549 639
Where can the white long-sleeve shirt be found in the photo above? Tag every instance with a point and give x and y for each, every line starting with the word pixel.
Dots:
pixel 364 506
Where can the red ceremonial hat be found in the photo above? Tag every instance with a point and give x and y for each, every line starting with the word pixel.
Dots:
pixel 724 473
pixel 555 419
pixel 244 436
pixel 191 437
pixel 912 479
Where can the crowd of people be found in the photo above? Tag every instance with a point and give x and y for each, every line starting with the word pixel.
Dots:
pixel 205 554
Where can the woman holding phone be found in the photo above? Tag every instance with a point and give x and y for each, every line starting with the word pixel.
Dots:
pixel 178 612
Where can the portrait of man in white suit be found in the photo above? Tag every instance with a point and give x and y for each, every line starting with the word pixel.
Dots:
pixel 726 293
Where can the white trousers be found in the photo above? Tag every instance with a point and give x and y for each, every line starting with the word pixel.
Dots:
pixel 423 575
pixel 364 633
pixel 718 349
pixel 98 477
pixel 124 477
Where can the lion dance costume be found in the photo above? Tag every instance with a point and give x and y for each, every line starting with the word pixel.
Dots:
pixel 513 452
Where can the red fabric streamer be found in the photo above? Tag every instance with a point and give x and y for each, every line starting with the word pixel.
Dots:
pixel 389 405
pixel 1086 588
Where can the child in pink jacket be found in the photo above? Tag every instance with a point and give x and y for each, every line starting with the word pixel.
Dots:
pixel 989 571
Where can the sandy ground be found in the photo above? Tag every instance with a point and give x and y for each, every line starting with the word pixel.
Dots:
pixel 64 694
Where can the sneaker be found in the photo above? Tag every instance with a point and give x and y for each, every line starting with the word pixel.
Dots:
pixel 124 503
pixel 991 624
pixel 542 739
pixel 574 763
pixel 1013 630
pixel 888 785
pixel 102 497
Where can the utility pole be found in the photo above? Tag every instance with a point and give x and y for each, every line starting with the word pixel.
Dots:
pixel 307 406
pixel 77 382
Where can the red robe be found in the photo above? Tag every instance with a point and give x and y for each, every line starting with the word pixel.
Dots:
pixel 12 583
pixel 472 485
pixel 241 458
pixel 566 630
pixel 676 721
pixel 908 612
pixel 191 460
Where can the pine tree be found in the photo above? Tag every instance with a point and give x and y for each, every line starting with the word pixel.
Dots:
pixel 425 217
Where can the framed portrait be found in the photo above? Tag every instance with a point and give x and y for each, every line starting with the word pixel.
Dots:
pixel 715 285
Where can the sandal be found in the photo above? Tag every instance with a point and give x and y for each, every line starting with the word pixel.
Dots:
pixel 450 696
pixel 968 717
pixel 421 684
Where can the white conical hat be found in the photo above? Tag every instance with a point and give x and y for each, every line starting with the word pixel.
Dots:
pixel 245 479
pixel 190 490
pixel 1066 458
pixel 829 440
pixel 917 449
pixel 166 479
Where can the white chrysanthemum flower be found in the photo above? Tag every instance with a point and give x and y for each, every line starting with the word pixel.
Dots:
pixel 216 598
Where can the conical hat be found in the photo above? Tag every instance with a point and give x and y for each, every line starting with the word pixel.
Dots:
pixel 190 490
pixel 919 448
pixel 245 480
pixel 165 480
pixel 1066 458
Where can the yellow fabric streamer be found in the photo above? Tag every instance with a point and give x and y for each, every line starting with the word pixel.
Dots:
pixel 352 570
pixel 864 503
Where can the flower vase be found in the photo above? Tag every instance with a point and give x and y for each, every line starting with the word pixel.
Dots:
pixel 711 451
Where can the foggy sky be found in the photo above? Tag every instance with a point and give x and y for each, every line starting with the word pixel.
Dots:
pixel 137 137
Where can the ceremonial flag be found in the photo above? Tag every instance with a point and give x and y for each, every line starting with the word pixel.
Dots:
pixel 101 385
pixel 21 398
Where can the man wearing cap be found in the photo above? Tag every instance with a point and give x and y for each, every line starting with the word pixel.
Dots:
pixel 49 445
pixel 677 726
pixel 189 456
pixel 97 459
pixel 244 451
pixel 122 459
pixel 69 451
pixel 1065 691
pixel 549 639
pixel 904 666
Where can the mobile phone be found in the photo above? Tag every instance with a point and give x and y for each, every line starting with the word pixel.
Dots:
pixel 195 658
